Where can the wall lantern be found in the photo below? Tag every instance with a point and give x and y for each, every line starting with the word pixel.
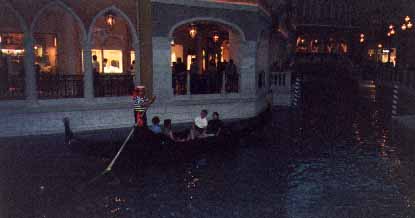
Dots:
pixel 193 31
pixel 409 25
pixel 216 37
pixel 403 27
pixel 362 38
pixel 407 19
pixel 110 19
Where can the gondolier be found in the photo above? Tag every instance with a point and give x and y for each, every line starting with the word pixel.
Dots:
pixel 141 105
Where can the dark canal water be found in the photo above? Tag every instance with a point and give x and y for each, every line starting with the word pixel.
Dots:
pixel 332 157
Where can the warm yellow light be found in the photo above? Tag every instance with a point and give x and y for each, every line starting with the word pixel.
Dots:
pixel 55 42
pixel 389 34
pixel 380 46
pixel 407 19
pixel 403 27
pixel 362 35
pixel 392 32
pixel 172 43
pixel 216 37
pixel 193 32
pixel 302 40
pixel 391 26
pixel 110 19
pixel 409 25
pixel 362 40
pixel 316 41
pixel 12 51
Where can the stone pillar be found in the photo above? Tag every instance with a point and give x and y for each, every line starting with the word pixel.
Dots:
pixel 30 74
pixel 68 47
pixel 145 33
pixel 247 68
pixel 161 68
pixel 88 77
pixel 137 76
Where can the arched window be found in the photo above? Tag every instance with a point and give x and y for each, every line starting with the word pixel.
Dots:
pixel 113 58
pixel 57 48
pixel 11 55
pixel 205 58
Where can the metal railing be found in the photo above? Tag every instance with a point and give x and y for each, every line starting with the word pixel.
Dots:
pixel 389 74
pixel 187 84
pixel 111 85
pixel 12 88
pixel 279 79
pixel 60 86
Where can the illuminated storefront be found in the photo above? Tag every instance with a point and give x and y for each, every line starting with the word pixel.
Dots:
pixel 383 55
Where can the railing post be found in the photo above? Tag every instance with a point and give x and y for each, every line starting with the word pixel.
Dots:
pixel 223 88
pixel 30 74
pixel 88 77
pixel 188 82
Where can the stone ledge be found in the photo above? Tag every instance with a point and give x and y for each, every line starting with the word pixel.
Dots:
pixel 48 120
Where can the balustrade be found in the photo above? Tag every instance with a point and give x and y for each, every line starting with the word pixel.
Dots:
pixel 187 84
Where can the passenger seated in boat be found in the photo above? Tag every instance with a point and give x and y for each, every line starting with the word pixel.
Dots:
pixel 168 132
pixel 155 128
pixel 215 125
pixel 199 126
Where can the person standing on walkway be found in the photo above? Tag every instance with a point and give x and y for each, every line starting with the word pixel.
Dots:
pixel 95 73
pixel 180 71
pixel 194 77
pixel 231 77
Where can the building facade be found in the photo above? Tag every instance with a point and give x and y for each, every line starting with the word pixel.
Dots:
pixel 81 59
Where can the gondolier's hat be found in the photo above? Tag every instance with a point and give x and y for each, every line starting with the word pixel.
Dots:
pixel 140 88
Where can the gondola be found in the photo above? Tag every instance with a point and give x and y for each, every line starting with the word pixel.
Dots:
pixel 144 145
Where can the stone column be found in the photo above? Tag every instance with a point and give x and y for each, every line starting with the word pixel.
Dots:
pixel 137 75
pixel 30 74
pixel 145 33
pixel 247 68
pixel 88 77
pixel 161 68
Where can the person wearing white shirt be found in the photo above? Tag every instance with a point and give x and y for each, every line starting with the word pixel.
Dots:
pixel 199 126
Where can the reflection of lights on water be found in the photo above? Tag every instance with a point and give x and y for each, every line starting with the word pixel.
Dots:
pixel 191 182
pixel 119 200
pixel 116 210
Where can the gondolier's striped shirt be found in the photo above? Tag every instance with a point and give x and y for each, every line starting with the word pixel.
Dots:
pixel 139 103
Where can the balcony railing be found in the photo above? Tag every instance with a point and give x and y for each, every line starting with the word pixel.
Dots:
pixel 186 84
pixel 111 85
pixel 12 88
pixel 60 86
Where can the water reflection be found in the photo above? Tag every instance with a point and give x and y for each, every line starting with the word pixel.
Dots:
pixel 334 158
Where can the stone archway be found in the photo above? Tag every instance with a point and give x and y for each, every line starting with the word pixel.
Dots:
pixel 59 35
pixel 116 48
pixel 13 35
pixel 207 53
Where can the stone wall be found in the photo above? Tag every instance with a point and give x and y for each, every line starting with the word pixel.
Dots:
pixel 165 16
pixel 117 113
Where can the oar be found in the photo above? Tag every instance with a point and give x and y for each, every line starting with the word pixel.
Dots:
pixel 109 167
